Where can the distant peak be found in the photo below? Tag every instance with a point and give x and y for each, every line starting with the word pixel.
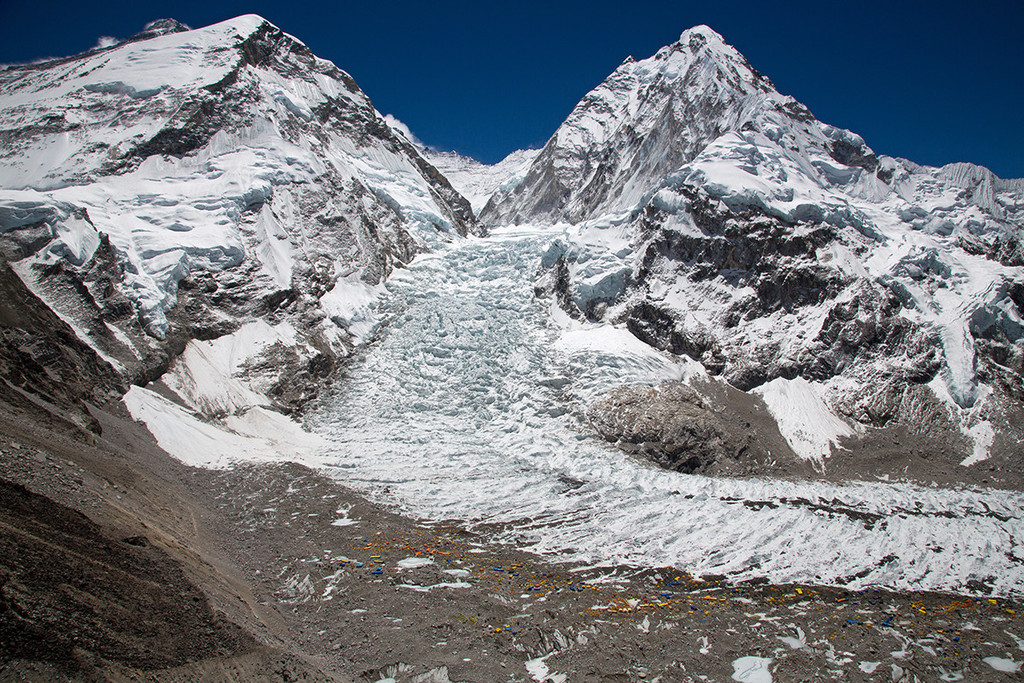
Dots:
pixel 248 20
pixel 699 36
pixel 160 27
pixel 399 127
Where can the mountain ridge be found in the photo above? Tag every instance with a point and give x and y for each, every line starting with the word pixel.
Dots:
pixel 189 182
pixel 687 179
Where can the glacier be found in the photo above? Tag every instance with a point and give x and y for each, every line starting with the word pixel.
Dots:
pixel 471 406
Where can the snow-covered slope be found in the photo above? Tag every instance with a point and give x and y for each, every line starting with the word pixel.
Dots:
pixel 478 182
pixel 720 220
pixel 474 180
pixel 183 183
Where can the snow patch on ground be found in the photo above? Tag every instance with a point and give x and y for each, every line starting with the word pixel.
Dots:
pixel 752 670
pixel 1003 664
pixel 539 671
pixel 425 589
pixel 805 420
pixel 262 436
pixel 210 375
pixel 795 643
pixel 414 562
pixel 600 357
pixel 983 434
pixel 228 419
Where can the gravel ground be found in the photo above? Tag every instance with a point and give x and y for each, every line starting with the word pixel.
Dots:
pixel 310 581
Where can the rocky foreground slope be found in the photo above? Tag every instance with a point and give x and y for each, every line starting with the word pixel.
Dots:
pixel 719 220
pixel 188 574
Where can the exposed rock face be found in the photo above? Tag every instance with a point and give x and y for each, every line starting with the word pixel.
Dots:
pixel 761 269
pixel 42 358
pixel 720 220
pixel 675 427
pixel 70 595
pixel 182 184
pixel 160 27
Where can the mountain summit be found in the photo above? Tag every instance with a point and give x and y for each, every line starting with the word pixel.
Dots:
pixel 643 122
pixel 720 220
pixel 185 183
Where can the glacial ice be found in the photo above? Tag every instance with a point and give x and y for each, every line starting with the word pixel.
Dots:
pixel 469 405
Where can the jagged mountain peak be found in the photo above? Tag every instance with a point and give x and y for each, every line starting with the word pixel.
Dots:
pixel 694 39
pixel 160 81
pixel 228 155
pixel 648 118
pixel 160 27
pixel 242 25
pixel 697 36
pixel 227 33
pixel 700 58
pixel 701 40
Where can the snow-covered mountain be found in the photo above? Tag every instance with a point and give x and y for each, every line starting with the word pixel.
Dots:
pixel 720 220
pixel 711 278
pixel 224 184
pixel 643 122
pixel 219 208
pixel 478 182
pixel 474 180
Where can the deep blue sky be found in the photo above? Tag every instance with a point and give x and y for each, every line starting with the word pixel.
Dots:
pixel 934 82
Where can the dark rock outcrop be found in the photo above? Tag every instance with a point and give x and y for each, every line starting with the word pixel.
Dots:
pixel 69 595
pixel 672 425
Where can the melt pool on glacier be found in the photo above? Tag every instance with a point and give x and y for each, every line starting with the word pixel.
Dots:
pixel 469 405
